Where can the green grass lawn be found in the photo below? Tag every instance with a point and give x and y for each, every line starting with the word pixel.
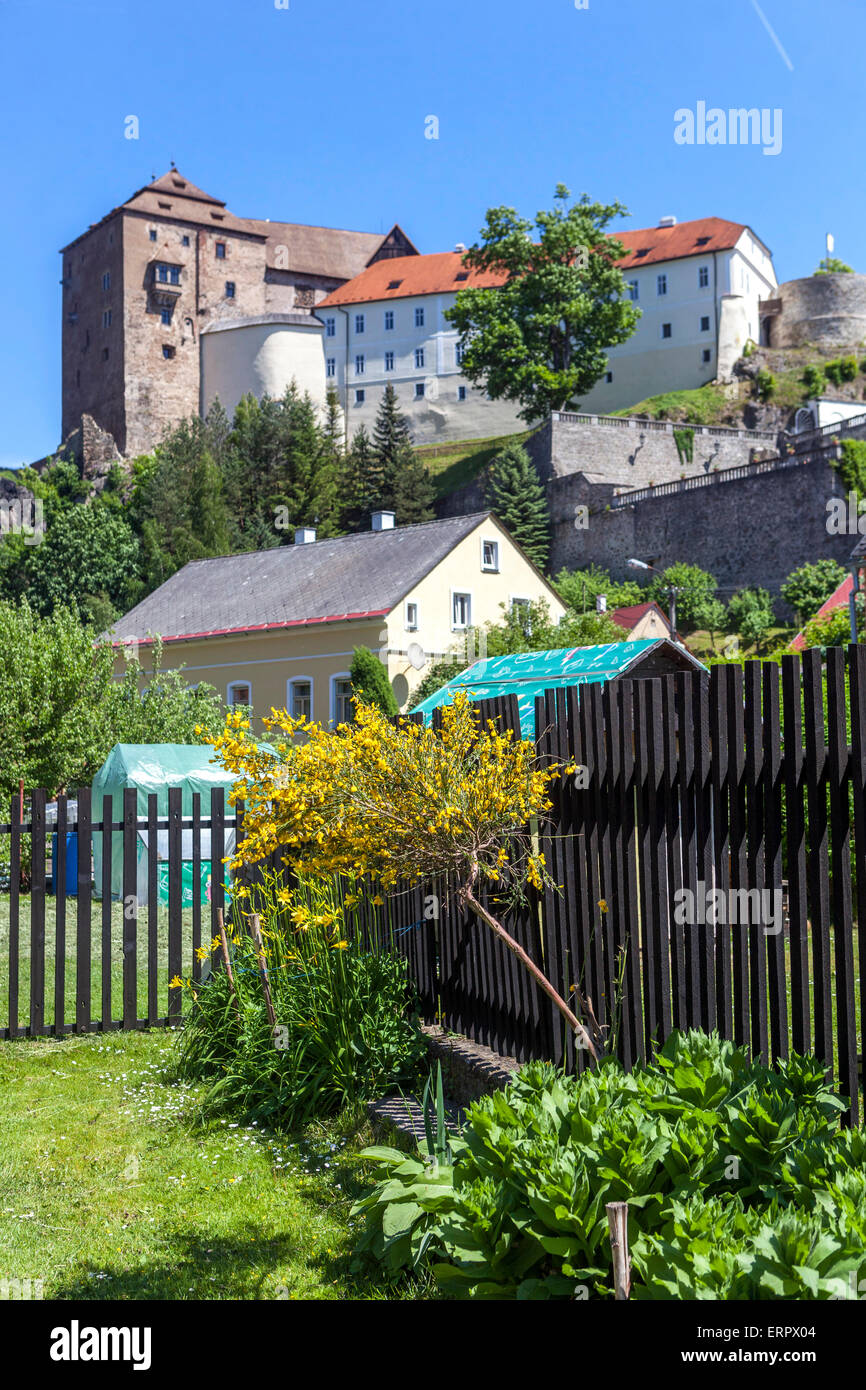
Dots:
pixel 457 462
pixel 69 957
pixel 114 1184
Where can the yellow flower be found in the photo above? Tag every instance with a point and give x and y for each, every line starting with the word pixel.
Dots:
pixel 176 983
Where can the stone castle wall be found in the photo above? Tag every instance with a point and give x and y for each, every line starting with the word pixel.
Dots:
pixel 827 310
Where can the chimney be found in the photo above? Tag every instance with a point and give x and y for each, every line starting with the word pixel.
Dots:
pixel 305 535
pixel 667 221
pixel 460 247
pixel 383 521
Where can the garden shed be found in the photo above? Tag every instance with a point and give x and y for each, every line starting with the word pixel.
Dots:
pixel 152 768
pixel 531 673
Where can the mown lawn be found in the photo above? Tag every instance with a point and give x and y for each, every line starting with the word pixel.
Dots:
pixel 114 1184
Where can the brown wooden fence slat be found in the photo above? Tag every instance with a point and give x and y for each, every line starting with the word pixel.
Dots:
pixel 721 880
pixel 196 885
pixel 175 898
pixel 58 861
pixel 672 812
pixel 14 911
pixel 105 954
pixel 857 686
pixel 152 910
pixel 817 859
pixel 795 827
pixel 840 883
pixel 738 853
pixel 773 788
pixel 759 925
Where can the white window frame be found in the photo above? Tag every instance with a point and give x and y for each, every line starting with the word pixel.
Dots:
pixel 455 594
pixel 494 568
pixel 230 687
pixel 360 364
pixel 634 291
pixel 419 316
pixel 330 366
pixel 389 320
pixel 705 319
pixel 661 285
pixel 389 361
pixel 407 623
pixel 703 277
pixel 332 694
pixel 459 353
pixel 330 327
pixel 461 393
pixel 419 359
pixel 514 599
pixel 360 323
pixel 360 395
pixel 420 390
pixel 300 680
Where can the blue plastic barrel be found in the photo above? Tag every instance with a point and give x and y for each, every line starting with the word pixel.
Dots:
pixel 71 863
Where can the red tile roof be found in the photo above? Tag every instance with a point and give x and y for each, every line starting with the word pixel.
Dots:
pixel 698 238
pixel 403 276
pixel 838 599
pixel 437 273
pixel 630 616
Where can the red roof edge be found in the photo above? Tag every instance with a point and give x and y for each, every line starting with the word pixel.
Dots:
pixel 259 627
pixel 838 599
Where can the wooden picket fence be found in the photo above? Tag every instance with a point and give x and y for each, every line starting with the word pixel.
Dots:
pixel 737 783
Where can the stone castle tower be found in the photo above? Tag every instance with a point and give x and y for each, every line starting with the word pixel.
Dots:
pixel 143 284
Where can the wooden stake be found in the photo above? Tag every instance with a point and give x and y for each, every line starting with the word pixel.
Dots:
pixel 617 1220
pixel 227 962
pixel 256 928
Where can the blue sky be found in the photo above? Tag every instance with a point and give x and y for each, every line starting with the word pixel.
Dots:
pixel 316 113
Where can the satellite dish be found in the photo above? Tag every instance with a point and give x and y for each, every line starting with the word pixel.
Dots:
pixel 416 655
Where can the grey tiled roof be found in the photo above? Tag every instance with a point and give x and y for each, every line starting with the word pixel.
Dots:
pixel 366 573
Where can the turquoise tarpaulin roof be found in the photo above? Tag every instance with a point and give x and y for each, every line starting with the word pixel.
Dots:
pixel 531 673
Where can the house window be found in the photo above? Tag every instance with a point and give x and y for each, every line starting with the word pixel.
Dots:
pixel 330 328
pixel 521 610
pixel 461 393
pixel 230 289
pixel 459 353
pixel 662 284
pixel 342 709
pixel 330 366
pixel 359 364
pixel 389 361
pixel 490 555
pixel 220 249
pixel 707 356
pixel 705 323
pixel 167 351
pixel 608 376
pixel 165 317
pixel 360 396
pixel 461 611
pixel 106 280
pixel 360 323
pixel 419 318
pixel 411 622
pixel 152 234
pixel 667 331
pixel 239 693
pixel 389 320
pixel 419 357
pixel 184 241
pixel 106 318
pixel 300 702
pixel 167 274
pixel 419 390
pixel 704 277
pixel 633 290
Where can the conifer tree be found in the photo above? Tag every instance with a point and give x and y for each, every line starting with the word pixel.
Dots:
pixel 516 495
pixel 370 681
pixel 392 438
pixel 364 481
pixel 413 490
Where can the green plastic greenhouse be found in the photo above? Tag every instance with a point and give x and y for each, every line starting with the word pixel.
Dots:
pixel 153 768
pixel 531 673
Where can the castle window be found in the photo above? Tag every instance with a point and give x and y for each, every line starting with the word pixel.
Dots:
pixel 330 328
pixel 106 318
pixel 167 351
pixel 667 330
pixel 704 277
pixel 360 323
pixel 106 280
pixel 360 396
pixel 608 376
pixel 166 274
pixel 165 317
pixel 707 355
pixel 331 366
pixel 419 357
pixel 419 318
pixel 419 390
pixel 705 323
pixel 461 393
pixel 389 361
pixel 662 284
pixel 459 353
pixel 220 250
pixel 633 290
pixel 389 320
pixel 184 241
pixel 360 364
pixel 152 234
pixel 230 289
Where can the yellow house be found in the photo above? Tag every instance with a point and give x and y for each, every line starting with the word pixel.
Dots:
pixel 278 628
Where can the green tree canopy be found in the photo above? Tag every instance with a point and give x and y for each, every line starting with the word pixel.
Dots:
pixel 370 681
pixel 750 613
pixel 515 494
pixel 831 265
pixel 540 339
pixel 88 550
pixel 580 588
pixel 808 587
pixel 696 597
